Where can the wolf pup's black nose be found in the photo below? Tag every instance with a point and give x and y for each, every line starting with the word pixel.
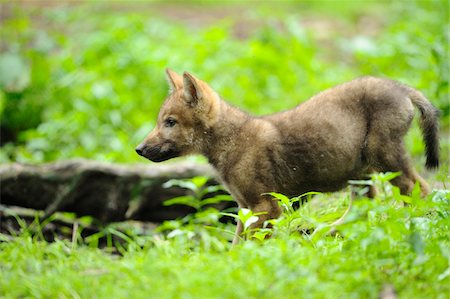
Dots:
pixel 139 150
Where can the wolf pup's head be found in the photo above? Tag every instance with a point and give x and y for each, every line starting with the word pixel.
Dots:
pixel 185 118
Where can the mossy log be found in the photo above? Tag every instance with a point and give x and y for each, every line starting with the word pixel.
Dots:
pixel 108 192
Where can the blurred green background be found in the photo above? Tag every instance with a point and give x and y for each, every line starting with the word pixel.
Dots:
pixel 86 80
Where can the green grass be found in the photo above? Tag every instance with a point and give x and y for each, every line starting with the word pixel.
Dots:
pixel 380 243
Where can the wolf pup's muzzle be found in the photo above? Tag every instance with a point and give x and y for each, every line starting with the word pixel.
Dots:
pixel 155 153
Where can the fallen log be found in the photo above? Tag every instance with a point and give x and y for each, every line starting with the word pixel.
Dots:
pixel 108 192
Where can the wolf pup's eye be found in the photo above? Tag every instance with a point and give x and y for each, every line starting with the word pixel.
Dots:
pixel 170 122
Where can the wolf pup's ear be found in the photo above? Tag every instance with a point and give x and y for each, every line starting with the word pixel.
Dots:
pixel 175 81
pixel 192 89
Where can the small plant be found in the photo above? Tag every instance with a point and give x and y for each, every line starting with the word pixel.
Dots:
pixel 381 182
pixel 289 219
pixel 199 193
pixel 203 227
pixel 247 218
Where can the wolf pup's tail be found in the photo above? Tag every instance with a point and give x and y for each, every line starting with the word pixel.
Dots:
pixel 429 123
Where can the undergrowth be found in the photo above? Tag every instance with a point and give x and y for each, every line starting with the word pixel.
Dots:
pixel 379 242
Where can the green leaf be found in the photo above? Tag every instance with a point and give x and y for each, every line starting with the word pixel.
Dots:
pixel 236 217
pixel 283 199
pixel 397 195
pixel 186 184
pixel 14 73
pixel 212 189
pixel 199 181
pixel 216 199
pixel 261 234
pixel 388 176
pixel 417 243
pixel 247 217
pixel 186 200
pixel 416 192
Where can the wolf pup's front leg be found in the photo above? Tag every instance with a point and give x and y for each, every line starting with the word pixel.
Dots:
pixel 237 234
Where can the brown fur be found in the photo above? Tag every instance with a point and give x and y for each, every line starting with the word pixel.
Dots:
pixel 343 133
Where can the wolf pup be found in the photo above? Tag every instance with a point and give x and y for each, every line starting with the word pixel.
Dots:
pixel 343 133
